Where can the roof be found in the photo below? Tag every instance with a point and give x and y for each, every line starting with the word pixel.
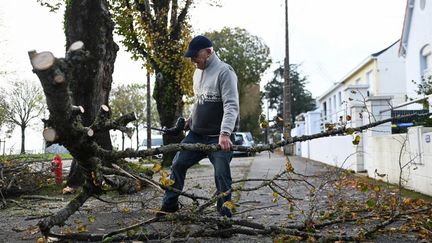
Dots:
pixel 384 50
pixel 366 61
pixel 406 27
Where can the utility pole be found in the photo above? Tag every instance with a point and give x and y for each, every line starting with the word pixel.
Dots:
pixel 148 112
pixel 287 89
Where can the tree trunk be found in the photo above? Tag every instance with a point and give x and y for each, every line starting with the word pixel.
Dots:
pixel 169 103
pixel 90 22
pixel 148 112
pixel 23 139
pixel 137 137
pixel 123 138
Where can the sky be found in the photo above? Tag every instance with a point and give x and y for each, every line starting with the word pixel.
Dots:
pixel 327 38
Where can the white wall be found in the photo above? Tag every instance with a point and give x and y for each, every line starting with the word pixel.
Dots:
pixel 312 122
pixel 420 34
pixel 336 151
pixel 384 151
pixel 334 106
pixel 391 75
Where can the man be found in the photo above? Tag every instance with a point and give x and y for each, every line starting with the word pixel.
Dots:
pixel 215 116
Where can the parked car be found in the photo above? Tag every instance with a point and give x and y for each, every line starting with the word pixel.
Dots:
pixel 244 139
pixel 156 141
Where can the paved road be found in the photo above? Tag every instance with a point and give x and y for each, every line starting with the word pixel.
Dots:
pixel 258 205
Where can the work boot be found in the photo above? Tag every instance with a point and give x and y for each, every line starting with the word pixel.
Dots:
pixel 167 209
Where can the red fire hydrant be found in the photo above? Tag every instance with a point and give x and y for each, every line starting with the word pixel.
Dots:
pixel 57 165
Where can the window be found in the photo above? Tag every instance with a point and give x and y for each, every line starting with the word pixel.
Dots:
pixel 334 103
pixel 422 4
pixel 426 61
pixel 340 98
pixel 371 82
pixel 325 109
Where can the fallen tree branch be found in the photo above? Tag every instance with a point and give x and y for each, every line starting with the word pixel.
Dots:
pixel 61 216
pixel 39 197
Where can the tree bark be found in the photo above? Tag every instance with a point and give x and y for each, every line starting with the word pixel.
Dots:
pixel 169 103
pixel 123 141
pixel 90 22
pixel 137 137
pixel 23 139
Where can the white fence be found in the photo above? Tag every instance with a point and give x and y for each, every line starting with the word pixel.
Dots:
pixel 412 152
pixel 382 154
pixel 337 151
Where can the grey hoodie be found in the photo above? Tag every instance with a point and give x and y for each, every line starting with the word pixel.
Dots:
pixel 216 107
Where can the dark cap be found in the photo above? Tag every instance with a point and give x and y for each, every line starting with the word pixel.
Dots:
pixel 198 43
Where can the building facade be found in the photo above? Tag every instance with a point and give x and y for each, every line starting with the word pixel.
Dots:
pixel 416 44
pixel 380 74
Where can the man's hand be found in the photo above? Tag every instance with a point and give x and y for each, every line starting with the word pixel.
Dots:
pixel 225 142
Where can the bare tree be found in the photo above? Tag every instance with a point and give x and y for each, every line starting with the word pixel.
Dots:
pixel 23 102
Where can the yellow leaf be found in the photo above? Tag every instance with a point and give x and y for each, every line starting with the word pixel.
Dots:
pixel 275 197
pixel 356 140
pixel 230 205
pixel 288 166
pixel 156 167
pixel 126 210
pixel 41 240
pixel 349 131
pixel 348 118
pixel 165 173
pixel 165 180
pixel 264 124
pixel 377 188
pixel 82 228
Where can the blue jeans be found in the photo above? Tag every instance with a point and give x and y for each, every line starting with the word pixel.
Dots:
pixel 185 159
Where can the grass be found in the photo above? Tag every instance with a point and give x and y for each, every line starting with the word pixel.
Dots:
pixel 27 157
pixel 50 189
pixel 405 192
pixel 137 167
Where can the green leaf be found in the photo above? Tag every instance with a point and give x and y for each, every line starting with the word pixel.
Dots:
pixel 107 240
pixel 364 188
pixel 371 203
pixel 91 218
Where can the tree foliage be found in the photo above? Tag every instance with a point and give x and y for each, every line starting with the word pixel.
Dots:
pixel 3 110
pixel 158 33
pixel 246 53
pixel 250 58
pixel 131 98
pixel 302 100
pixel 23 103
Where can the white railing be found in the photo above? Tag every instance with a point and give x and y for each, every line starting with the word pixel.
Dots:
pixel 333 117
pixel 407 103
